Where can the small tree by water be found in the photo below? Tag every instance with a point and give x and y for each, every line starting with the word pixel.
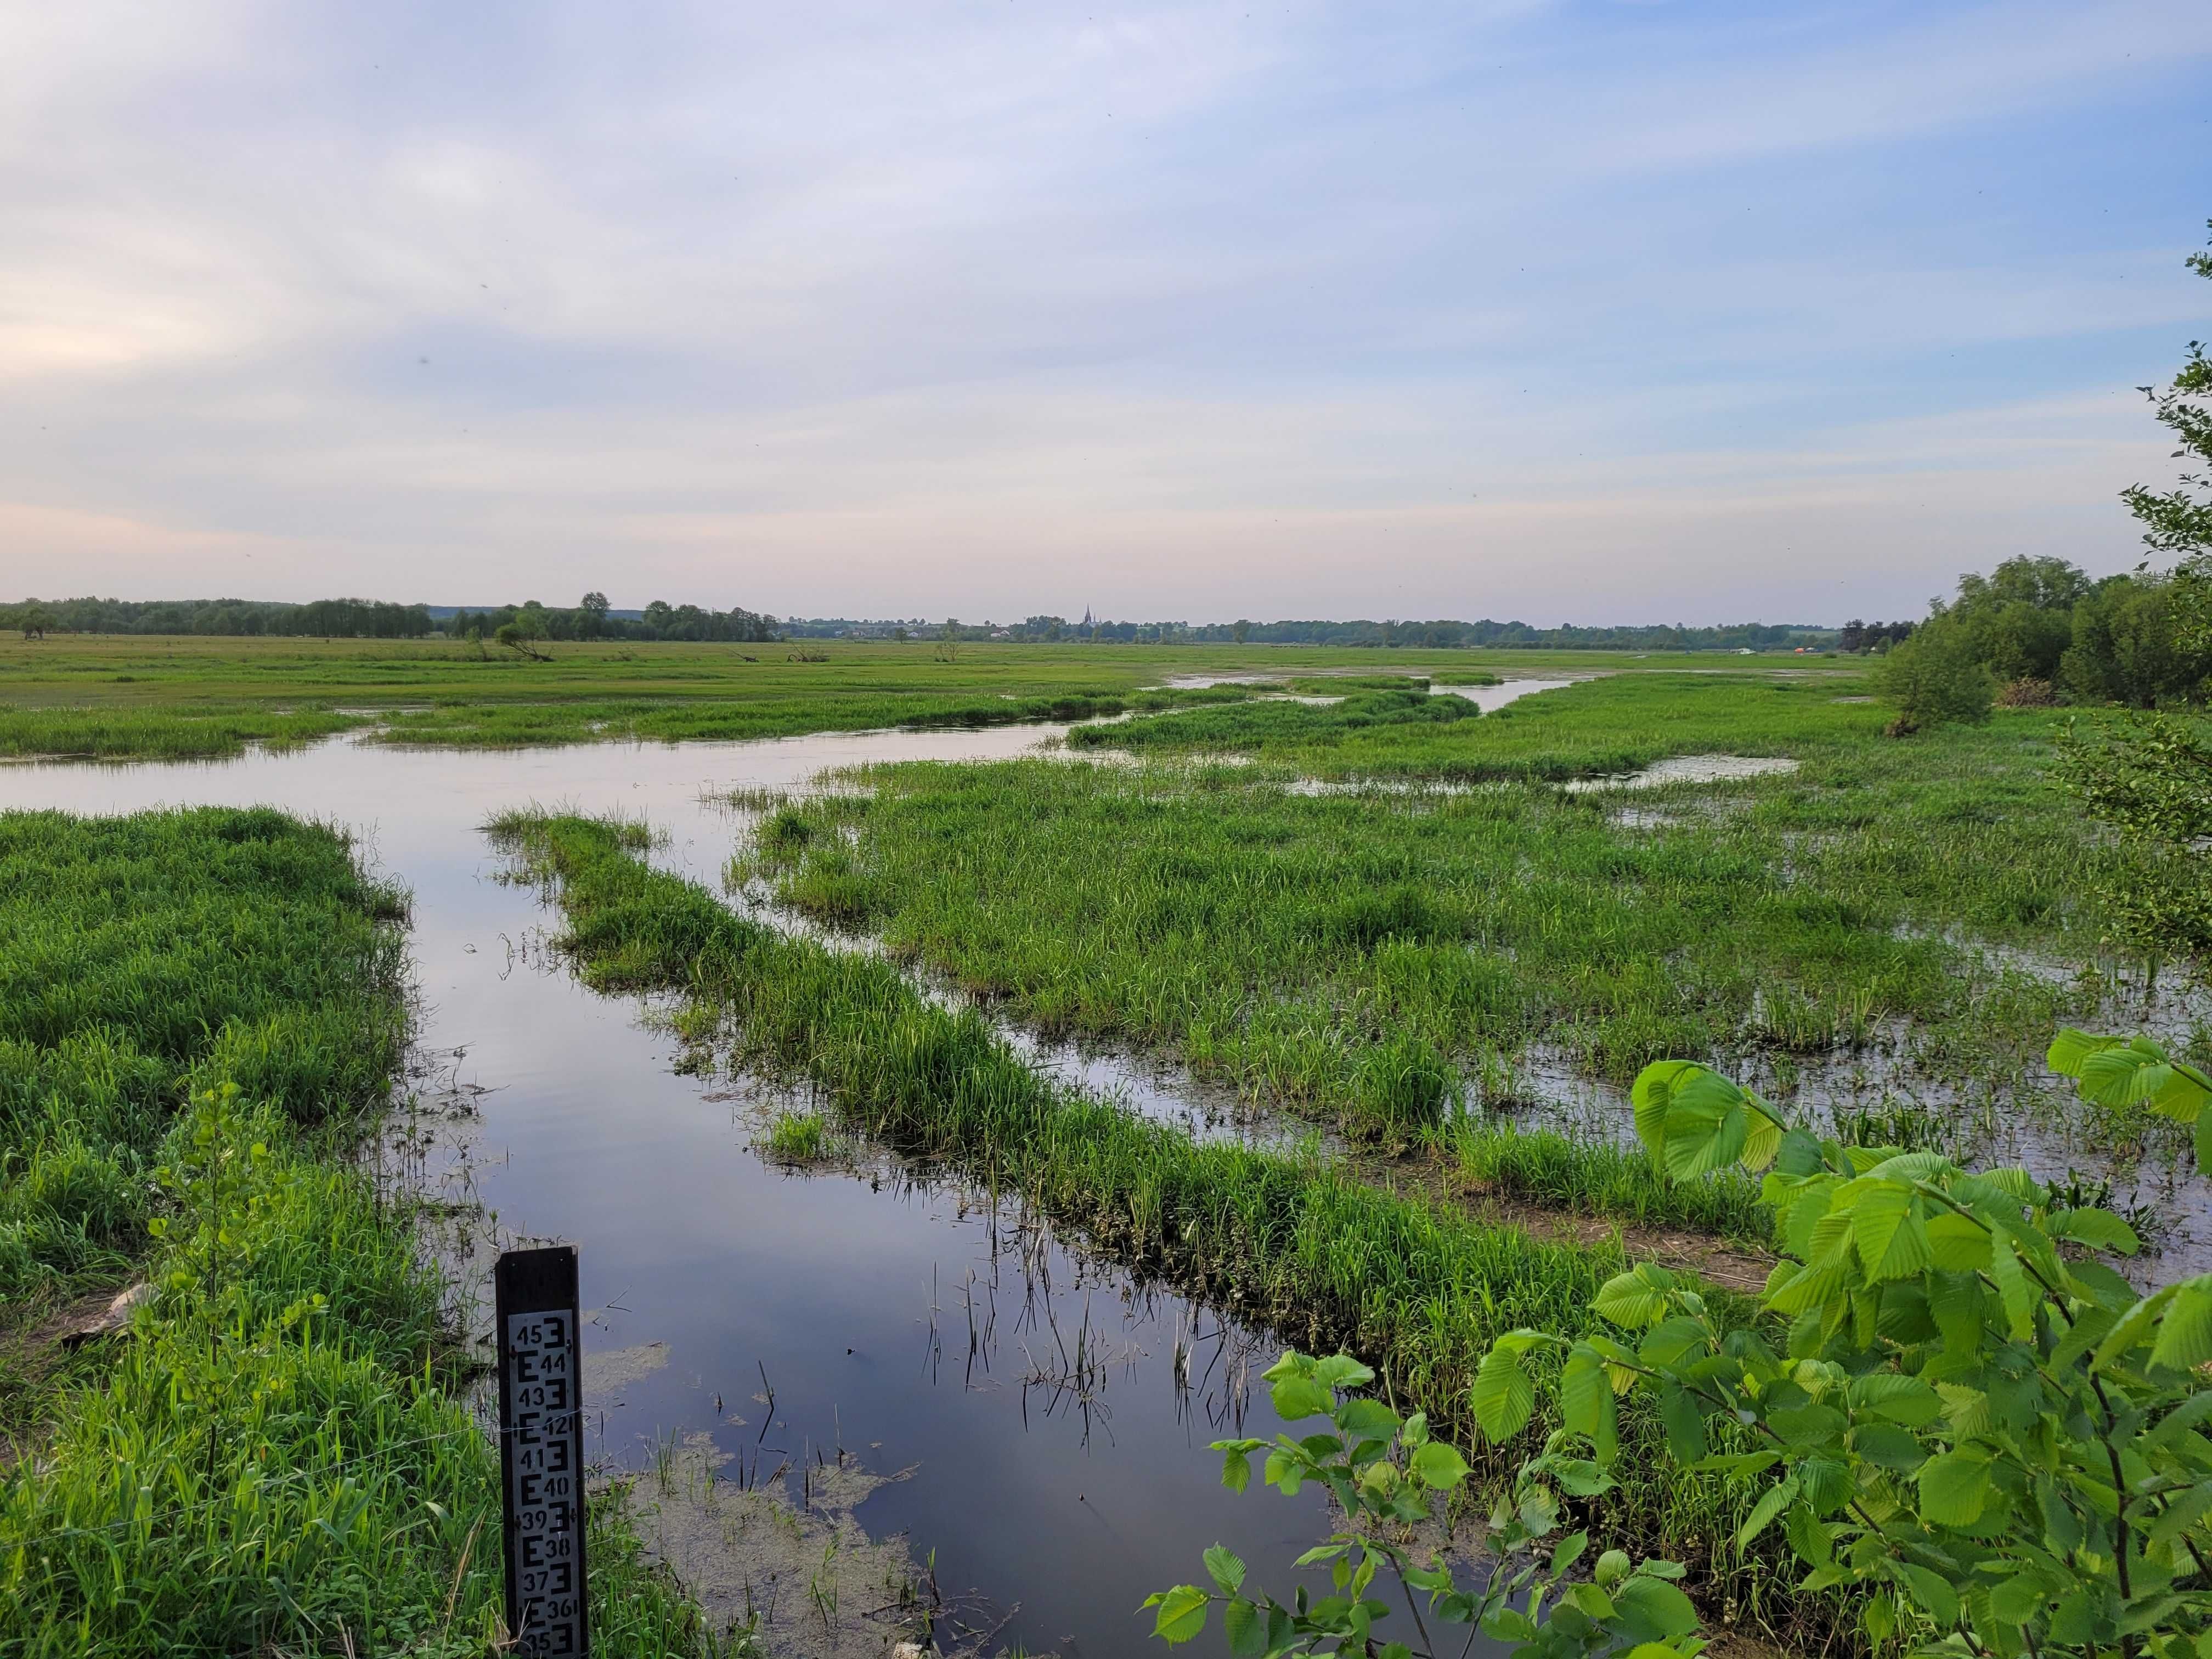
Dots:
pixel 1935 679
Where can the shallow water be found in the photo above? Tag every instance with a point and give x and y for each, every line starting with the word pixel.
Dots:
pixel 1484 697
pixel 905 1325
pixel 1688 768
pixel 1490 697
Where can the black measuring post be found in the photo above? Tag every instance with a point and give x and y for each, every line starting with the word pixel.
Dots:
pixel 541 1451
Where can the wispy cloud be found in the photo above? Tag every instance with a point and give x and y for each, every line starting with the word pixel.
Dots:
pixel 1701 309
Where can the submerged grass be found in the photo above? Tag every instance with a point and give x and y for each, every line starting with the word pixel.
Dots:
pixel 1417 1288
pixel 198 1012
pixel 164 734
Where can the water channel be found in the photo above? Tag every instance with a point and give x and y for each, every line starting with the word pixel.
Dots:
pixel 909 1326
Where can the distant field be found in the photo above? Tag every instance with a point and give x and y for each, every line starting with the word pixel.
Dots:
pixel 182 697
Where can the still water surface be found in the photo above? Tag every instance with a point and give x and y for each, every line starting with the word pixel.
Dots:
pixel 907 1326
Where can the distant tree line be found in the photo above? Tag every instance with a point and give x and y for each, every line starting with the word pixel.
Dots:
pixel 593 619
pixel 329 618
pixel 375 619
pixel 1858 636
pixel 1427 635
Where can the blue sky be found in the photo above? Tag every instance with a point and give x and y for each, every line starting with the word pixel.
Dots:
pixel 1592 312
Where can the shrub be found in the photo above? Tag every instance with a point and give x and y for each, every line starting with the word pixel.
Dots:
pixel 1934 678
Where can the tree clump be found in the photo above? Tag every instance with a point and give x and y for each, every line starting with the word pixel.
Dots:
pixel 1935 678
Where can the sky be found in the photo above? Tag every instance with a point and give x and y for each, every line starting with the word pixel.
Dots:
pixel 1582 311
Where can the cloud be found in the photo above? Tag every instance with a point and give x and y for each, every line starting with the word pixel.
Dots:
pixel 855 308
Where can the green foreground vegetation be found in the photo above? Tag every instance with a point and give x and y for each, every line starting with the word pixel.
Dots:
pixel 199 1015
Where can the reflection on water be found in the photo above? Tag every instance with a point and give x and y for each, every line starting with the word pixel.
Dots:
pixel 1054 1414
pixel 1687 768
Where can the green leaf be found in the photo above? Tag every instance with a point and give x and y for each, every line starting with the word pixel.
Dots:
pixel 1658 1606
pixel 1366 1419
pixel 1650 1096
pixel 1341 1370
pixel 2185 1334
pixel 1235 1470
pixel 1932 1592
pixel 1438 1466
pixel 1761 1142
pixel 1810 1537
pixel 1503 1396
pixel 2018 1598
pixel 1897 1397
pixel 1247 1631
pixel 2129 1330
pixel 2147 1612
pixel 2182 1513
pixel 1586 1402
pixel 2070 1048
pixel 2012 1286
pixel 1954 1488
pixel 1579 1476
pixel 1888 1446
pixel 2123 1073
pixel 1297 1397
pixel 1181 1613
pixel 1735 1466
pixel 1669 1341
pixel 1629 1300
pixel 1685 1423
pixel 1225 1568
pixel 1959 1244
pixel 1892 1242
pixel 1707 1125
pixel 1824 1483
pixel 2099 1229
pixel 1539 1511
pixel 2178 1421
pixel 1778 1498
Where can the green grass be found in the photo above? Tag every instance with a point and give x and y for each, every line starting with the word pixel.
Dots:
pixel 140 958
pixel 1366 957
pixel 1620 1183
pixel 800 1138
pixel 1417 1288
pixel 1617 723
pixel 198 1013
pixel 176 698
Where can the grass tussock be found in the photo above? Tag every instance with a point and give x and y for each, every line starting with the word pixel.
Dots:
pixel 1416 1288
pixel 197 1011
pixel 800 1138
pixel 1620 1183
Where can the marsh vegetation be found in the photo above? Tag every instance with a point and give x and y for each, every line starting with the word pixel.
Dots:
pixel 1447 934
